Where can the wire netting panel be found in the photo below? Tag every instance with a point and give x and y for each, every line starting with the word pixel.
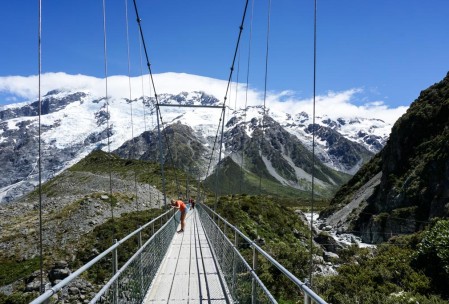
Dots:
pixel 134 279
pixel 243 284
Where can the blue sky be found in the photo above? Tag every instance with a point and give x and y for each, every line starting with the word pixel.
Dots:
pixel 390 50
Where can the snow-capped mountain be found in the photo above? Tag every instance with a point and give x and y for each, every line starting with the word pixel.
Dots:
pixel 77 118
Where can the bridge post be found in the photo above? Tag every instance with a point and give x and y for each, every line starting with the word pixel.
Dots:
pixel 253 283
pixel 234 262
pixel 140 264
pixel 114 271
pixel 307 299
pixel 152 256
pixel 217 232
pixel 223 251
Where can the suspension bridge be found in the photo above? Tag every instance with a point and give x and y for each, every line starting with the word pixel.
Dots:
pixel 210 262
pixel 205 264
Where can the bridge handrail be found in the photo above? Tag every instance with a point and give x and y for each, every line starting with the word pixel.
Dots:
pixel 246 264
pixel 303 286
pixel 123 268
pixel 49 293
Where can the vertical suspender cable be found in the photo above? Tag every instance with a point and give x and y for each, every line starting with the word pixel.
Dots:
pixel 39 63
pixel 265 92
pixel 154 107
pixel 170 154
pixel 222 122
pixel 225 98
pixel 132 154
pixel 143 91
pixel 233 188
pixel 143 96
pixel 313 144
pixel 161 157
pixel 108 131
pixel 213 149
pixel 159 115
pixel 237 83
pixel 246 90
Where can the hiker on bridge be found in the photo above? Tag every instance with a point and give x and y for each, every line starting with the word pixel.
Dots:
pixel 192 203
pixel 179 204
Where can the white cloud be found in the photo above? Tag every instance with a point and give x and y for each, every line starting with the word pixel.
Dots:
pixel 332 104
pixel 335 105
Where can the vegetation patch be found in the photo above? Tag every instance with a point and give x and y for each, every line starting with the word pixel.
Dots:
pixel 103 236
pixel 11 271
pixel 407 269
pixel 279 231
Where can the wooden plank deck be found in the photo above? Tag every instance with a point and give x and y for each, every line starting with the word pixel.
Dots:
pixel 188 273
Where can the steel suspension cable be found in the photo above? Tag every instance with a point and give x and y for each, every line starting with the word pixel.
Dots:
pixel 39 63
pixel 143 95
pixel 161 157
pixel 158 112
pixel 143 89
pixel 105 50
pixel 170 155
pixel 265 92
pixel 212 153
pixel 235 102
pixel 226 97
pixel 313 142
pixel 246 91
pixel 237 82
pixel 132 152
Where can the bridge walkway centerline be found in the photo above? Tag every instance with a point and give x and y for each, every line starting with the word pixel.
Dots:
pixel 188 272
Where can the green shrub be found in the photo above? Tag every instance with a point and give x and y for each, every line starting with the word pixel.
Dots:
pixel 378 279
pixel 432 256
pixel 11 271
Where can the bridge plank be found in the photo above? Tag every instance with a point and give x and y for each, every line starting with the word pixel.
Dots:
pixel 188 273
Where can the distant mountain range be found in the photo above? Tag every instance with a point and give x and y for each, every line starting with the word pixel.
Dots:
pixel 278 147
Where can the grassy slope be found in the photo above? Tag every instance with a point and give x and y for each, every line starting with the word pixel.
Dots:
pixel 231 180
pixel 279 232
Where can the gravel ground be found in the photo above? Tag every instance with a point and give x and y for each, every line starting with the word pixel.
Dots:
pixel 74 204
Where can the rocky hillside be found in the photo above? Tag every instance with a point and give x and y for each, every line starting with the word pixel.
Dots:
pixel 276 156
pixel 407 184
pixel 74 203
pixel 181 147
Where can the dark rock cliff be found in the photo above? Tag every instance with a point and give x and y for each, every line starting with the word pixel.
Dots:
pixel 412 172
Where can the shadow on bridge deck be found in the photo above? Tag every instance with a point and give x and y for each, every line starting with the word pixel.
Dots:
pixel 188 273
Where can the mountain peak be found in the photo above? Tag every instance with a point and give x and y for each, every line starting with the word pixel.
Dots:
pixel 76 112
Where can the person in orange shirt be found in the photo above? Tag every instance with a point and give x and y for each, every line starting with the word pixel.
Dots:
pixel 183 209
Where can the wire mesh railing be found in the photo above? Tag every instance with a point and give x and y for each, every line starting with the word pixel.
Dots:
pixel 243 283
pixel 241 277
pixel 129 283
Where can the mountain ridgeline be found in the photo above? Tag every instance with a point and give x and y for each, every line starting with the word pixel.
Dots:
pixel 406 185
pixel 270 144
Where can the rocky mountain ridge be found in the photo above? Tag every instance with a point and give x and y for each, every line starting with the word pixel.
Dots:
pixel 76 122
pixel 403 188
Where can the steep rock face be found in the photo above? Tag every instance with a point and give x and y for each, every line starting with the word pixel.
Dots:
pixel 186 150
pixel 348 154
pixel 185 98
pixel 19 143
pixel 414 167
pixel 274 154
pixel 50 103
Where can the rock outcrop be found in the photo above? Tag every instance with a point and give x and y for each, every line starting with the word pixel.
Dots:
pixel 407 183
